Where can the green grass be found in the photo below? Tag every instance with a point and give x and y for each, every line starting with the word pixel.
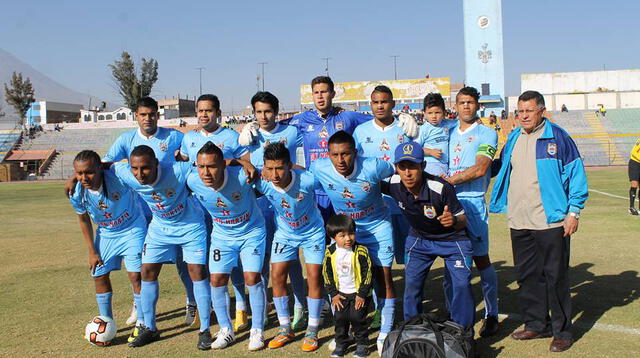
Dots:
pixel 47 294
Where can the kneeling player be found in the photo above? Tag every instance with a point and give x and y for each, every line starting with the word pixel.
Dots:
pixel 238 232
pixel 298 225
pixel 120 232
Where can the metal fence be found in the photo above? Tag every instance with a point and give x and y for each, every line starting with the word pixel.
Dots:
pixel 605 153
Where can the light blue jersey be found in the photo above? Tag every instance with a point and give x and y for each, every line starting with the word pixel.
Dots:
pixel 165 142
pixel 373 141
pixel 436 137
pixel 298 216
pixel 233 206
pixel 224 138
pixel 476 140
pixel 288 135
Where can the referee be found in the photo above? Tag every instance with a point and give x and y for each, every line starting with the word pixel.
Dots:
pixel 634 176
pixel 437 223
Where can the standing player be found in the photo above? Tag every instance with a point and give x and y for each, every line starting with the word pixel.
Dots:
pixel 120 232
pixel 353 186
pixel 238 232
pixel 299 225
pixel 634 176
pixel 472 147
pixel 267 130
pixel 177 224
pixel 434 135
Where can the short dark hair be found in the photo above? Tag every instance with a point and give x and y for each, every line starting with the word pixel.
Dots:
pixel 210 148
pixel 529 95
pixel 147 102
pixel 143 150
pixel 266 97
pixel 277 151
pixel 469 91
pixel 340 223
pixel 322 79
pixel 433 100
pixel 383 89
pixel 341 137
pixel 88 155
pixel 211 98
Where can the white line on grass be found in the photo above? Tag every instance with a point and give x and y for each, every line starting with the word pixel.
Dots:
pixel 607 194
pixel 599 326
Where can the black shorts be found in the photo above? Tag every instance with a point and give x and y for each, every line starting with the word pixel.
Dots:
pixel 634 170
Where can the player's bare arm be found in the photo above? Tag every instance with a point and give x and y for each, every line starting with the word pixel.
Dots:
pixel 87 234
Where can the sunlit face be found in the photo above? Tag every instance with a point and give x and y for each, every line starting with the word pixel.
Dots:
pixel 210 168
pixel 144 168
pixel 322 96
pixel 530 115
pixel 410 173
pixel 467 107
pixel 434 115
pixel 88 173
pixel 278 172
pixel 345 240
pixel 265 115
pixel 207 114
pixel 147 119
pixel 343 157
pixel 382 105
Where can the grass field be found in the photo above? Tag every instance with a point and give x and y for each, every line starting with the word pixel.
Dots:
pixel 47 294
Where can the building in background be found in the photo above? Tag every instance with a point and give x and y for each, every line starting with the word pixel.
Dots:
pixel 176 108
pixel 119 114
pixel 47 112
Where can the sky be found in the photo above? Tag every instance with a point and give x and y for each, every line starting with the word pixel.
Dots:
pixel 74 41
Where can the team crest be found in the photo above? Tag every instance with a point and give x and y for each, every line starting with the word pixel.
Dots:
pixel 236 196
pixel 163 146
pixel 339 126
pixel 552 148
pixel 429 212
pixel 458 264
pixel 366 186
pixel 170 193
pixel 156 197
pixel 102 205
pixel 115 196
pixel 220 203
pixel 284 204
pixel 347 194
pixel 324 133
pixel 299 196
pixel 384 145
pixel 400 138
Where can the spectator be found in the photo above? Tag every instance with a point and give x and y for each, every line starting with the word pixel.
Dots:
pixel 602 111
pixel 482 111
pixel 493 119
pixel 503 115
pixel 564 108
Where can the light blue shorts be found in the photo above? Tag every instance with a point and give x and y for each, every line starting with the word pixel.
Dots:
pixel 475 209
pixel 287 249
pixel 378 239
pixel 162 244
pixel 250 249
pixel 113 249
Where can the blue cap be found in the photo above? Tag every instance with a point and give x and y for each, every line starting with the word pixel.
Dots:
pixel 410 151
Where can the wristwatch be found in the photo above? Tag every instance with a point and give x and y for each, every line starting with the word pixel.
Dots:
pixel 574 214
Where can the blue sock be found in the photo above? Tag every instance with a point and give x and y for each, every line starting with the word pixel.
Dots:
pixel 490 291
pixel 388 307
pixel 148 299
pixel 315 310
pixel 183 272
pixel 203 300
pixel 257 302
pixel 220 300
pixel 297 283
pixel 237 281
pixel 138 302
pixel 104 304
pixel 447 288
pixel 282 309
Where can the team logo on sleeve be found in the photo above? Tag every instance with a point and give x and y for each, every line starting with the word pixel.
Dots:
pixel 366 186
pixel 285 204
pixel 163 146
pixel 324 133
pixel 384 145
pixel 170 193
pixel 339 126
pixel 430 212
pixel 102 205
pixel 156 197
pixel 552 148
pixel 347 194
pixel 299 196
pixel 115 196
pixel 236 196
pixel 220 203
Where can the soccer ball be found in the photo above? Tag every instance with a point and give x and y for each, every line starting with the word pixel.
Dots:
pixel 100 331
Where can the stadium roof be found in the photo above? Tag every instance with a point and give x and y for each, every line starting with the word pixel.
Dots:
pixel 23 155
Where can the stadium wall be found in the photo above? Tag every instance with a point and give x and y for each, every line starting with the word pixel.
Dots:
pixel 586 101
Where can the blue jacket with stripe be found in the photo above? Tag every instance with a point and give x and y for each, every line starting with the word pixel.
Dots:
pixel 561 174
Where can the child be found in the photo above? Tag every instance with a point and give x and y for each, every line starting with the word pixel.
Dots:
pixel 347 278
pixel 434 135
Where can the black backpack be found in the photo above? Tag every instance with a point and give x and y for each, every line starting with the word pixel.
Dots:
pixel 425 337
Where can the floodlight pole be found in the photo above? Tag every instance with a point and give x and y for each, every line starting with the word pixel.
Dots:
pixel 262 64
pixel 395 66
pixel 200 71
pixel 326 66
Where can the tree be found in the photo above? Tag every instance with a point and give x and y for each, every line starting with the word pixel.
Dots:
pixel 19 94
pixel 133 85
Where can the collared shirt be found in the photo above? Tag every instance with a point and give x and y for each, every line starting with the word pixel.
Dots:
pixel 525 209
pixel 224 138
pixel 422 212
pixel 164 142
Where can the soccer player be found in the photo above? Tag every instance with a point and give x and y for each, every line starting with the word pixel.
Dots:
pixel 267 130
pixel 434 135
pixel 299 226
pixel 472 147
pixel 378 138
pixel 208 112
pixel 238 232
pixel 177 224
pixel 634 176
pixel 120 228
pixel 353 186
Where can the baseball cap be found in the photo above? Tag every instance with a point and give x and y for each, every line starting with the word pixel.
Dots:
pixel 410 151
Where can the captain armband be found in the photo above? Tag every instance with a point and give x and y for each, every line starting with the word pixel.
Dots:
pixel 486 150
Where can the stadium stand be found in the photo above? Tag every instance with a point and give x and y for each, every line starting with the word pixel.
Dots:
pixel 8 139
